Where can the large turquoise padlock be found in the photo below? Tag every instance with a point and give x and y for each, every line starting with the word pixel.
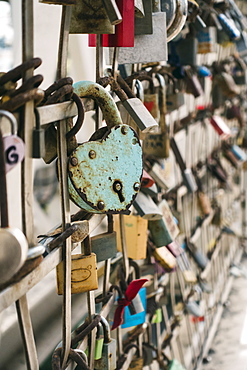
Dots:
pixel 104 173
pixel 138 318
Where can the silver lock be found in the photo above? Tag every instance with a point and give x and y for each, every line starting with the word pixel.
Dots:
pixel 13 243
pixel 148 48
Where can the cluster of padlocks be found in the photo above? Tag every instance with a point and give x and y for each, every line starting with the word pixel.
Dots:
pixel 158 188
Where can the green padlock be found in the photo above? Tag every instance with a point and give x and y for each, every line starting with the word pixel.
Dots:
pixel 107 361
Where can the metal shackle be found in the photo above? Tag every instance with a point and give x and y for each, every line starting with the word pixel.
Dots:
pixel 12 120
pixel 89 89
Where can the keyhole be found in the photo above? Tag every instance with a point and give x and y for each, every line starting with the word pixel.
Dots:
pixel 117 187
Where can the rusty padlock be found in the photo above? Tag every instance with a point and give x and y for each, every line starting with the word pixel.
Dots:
pixel 104 174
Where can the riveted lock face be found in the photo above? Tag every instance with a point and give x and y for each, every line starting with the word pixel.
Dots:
pixel 105 175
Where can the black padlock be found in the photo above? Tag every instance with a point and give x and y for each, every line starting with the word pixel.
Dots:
pixel 38 138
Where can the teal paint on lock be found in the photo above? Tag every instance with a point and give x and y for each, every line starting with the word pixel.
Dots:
pixel 104 174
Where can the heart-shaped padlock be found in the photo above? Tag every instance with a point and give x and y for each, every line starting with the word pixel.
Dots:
pixel 104 173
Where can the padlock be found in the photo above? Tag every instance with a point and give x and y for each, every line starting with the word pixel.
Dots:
pixel 229 26
pixel 108 357
pixel 200 259
pixel 187 49
pixel 238 152
pixel 99 340
pixel 144 25
pixel 160 232
pixel 151 98
pixel 105 245
pixel 146 207
pixel 14 146
pixel 157 144
pixel 38 139
pixel 134 106
pixel 83 271
pixel 169 219
pixel 155 45
pixel 135 234
pixel 207 40
pixel 138 318
pixel 188 177
pixel 124 31
pixel 193 85
pixel 165 258
pixel 220 126
pixel 14 245
pixel 88 17
pixel 174 97
pixel 94 185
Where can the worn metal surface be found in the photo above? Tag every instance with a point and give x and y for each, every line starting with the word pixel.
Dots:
pixel 148 48
pixel 88 89
pixel 179 20
pixel 105 183
pixel 90 17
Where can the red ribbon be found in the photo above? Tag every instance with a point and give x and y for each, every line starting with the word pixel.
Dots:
pixel 130 294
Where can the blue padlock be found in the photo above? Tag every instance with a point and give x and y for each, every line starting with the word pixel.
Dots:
pixel 138 318
pixel 238 152
pixel 229 27
pixel 203 71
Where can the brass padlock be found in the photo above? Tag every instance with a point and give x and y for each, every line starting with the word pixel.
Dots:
pixel 83 271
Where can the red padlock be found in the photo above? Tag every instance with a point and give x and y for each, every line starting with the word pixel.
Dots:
pixel 124 31
pixel 220 127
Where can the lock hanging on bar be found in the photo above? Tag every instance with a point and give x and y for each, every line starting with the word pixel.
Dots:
pixel 104 174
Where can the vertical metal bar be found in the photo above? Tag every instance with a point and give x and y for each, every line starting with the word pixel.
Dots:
pixel 27 333
pixel 91 312
pixel 99 73
pixel 62 175
pixel 27 187
pixel 123 246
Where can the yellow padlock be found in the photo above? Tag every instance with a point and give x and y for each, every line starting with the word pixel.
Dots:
pixel 135 234
pixel 165 258
pixel 83 271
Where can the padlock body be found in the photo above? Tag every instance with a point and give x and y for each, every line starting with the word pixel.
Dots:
pixel 108 360
pixel 140 114
pixel 104 246
pixel 165 258
pixel 96 167
pixel 13 252
pixel 138 318
pixel 83 274
pixel 90 17
pixel 135 235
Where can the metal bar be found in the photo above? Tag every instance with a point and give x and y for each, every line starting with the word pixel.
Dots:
pixel 23 314
pixel 63 181
pixel 27 333
pixel 9 295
